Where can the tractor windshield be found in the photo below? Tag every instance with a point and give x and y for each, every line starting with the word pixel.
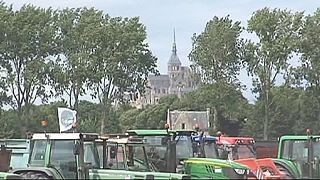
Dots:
pixel 115 156
pixel 184 147
pixel 298 149
pixel 156 151
pixel 210 149
pixel 245 151
pixel 239 151
pixel 137 158
pixel 91 155
pixel 38 153
pixel 62 157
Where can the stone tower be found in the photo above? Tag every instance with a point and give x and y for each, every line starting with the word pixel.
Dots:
pixel 174 69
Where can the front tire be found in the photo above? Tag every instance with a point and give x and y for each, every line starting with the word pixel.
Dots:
pixel 285 171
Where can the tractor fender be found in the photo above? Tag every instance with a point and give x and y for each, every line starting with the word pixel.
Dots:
pixel 287 168
pixel 254 168
pixel 269 168
pixel 38 173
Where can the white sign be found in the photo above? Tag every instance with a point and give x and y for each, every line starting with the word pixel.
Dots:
pixel 67 118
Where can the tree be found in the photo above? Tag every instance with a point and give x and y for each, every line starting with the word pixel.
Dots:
pixel 288 112
pixel 4 12
pixel 121 62
pixel 277 32
pixel 309 71
pixel 215 51
pixel 151 117
pixel 28 38
pixel 70 72
pixel 215 55
pixel 89 115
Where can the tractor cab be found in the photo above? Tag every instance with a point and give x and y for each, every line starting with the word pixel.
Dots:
pixel 242 150
pixel 177 151
pixel 5 157
pixel 299 156
pixel 123 152
pixel 205 146
pixel 69 156
pixel 120 151
pixel 234 148
pixel 166 148
pixel 66 153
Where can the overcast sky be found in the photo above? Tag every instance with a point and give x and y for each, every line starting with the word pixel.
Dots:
pixel 185 16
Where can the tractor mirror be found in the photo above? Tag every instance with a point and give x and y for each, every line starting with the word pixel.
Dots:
pixel 113 152
pixel 76 148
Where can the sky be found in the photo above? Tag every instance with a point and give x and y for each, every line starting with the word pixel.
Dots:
pixel 187 17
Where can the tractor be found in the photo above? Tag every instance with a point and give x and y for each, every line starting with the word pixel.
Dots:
pixel 69 156
pixel 120 151
pixel 5 157
pixel 242 150
pixel 20 150
pixel 175 151
pixel 298 156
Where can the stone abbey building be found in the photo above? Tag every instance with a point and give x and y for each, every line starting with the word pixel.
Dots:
pixel 178 81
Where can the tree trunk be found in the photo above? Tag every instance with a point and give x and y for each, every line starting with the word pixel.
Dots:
pixel 215 119
pixel 105 110
pixel 317 125
pixel 21 121
pixel 266 116
pixel 102 122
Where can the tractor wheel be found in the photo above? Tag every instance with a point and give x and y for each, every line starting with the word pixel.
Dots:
pixel 34 175
pixel 285 171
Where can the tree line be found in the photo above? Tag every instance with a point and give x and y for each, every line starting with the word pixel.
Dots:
pixel 47 53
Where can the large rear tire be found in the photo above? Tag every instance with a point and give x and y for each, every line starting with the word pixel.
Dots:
pixel 34 175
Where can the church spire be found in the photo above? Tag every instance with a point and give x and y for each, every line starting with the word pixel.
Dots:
pixel 174 59
pixel 174 47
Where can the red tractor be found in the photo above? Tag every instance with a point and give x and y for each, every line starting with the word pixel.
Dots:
pixel 242 150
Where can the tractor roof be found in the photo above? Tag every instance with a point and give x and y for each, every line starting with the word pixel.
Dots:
pixel 125 140
pixel 235 140
pixel 150 132
pixel 205 138
pixel 158 132
pixel 65 136
pixel 297 137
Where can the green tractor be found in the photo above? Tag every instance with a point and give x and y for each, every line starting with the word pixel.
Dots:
pixel 19 151
pixel 120 151
pixel 69 156
pixel 5 157
pixel 175 151
pixel 299 156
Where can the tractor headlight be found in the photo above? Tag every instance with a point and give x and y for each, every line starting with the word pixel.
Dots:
pixel 240 171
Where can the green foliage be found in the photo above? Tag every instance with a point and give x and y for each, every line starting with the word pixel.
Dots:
pixel 9 124
pixel 70 72
pixel 231 106
pixel 278 34
pixel 27 39
pixel 309 71
pixel 77 50
pixel 121 62
pixel 215 51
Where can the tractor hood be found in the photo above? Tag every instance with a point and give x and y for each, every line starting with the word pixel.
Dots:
pixel 217 163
